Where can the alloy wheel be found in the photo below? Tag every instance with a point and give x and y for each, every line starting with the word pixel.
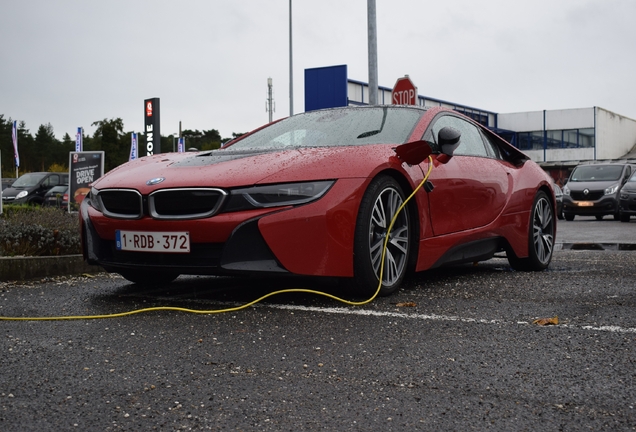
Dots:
pixel 384 209
pixel 543 230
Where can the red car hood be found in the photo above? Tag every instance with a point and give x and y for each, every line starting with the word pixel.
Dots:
pixel 226 168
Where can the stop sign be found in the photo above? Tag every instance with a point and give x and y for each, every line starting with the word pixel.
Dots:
pixel 404 92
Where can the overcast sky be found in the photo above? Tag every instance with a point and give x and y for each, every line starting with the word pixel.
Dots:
pixel 71 63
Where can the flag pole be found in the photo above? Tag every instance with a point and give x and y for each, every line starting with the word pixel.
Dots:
pixel 16 155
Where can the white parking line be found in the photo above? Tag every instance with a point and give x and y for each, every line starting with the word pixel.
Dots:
pixel 433 317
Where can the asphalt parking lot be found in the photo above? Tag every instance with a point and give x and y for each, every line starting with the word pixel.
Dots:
pixel 455 349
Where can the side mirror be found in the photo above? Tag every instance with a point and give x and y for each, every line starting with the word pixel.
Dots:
pixel 448 139
pixel 413 153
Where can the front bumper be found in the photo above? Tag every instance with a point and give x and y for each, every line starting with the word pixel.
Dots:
pixel 12 200
pixel 311 239
pixel 607 205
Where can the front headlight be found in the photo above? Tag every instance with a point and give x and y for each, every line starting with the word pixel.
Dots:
pixel 624 195
pixel 277 195
pixel 21 195
pixel 566 190
pixel 611 190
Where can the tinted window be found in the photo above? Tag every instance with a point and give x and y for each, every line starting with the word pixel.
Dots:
pixel 28 180
pixel 491 146
pixel 596 173
pixel 336 127
pixel 57 189
pixel 53 180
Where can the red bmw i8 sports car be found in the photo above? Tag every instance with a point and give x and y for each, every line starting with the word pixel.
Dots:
pixel 314 194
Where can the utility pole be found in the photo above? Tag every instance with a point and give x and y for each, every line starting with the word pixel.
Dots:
pixel 373 53
pixel 291 64
pixel 270 100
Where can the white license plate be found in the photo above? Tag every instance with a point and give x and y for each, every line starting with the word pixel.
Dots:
pixel 585 204
pixel 145 241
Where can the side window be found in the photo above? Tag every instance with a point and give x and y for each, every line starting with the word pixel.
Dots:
pixel 53 180
pixel 471 143
pixel 491 146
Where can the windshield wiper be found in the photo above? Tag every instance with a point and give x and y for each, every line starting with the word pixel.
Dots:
pixel 375 132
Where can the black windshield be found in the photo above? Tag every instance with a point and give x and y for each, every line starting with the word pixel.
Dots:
pixel 597 173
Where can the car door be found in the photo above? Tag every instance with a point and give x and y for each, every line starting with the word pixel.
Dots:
pixel 470 191
pixel 46 185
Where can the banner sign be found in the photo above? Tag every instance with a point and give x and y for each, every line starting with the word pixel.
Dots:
pixel 79 145
pixel 151 126
pixel 84 169
pixel 133 147
pixel 181 145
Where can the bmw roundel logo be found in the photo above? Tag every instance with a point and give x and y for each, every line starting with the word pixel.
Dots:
pixel 155 181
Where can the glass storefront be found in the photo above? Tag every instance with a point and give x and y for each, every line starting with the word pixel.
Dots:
pixel 556 139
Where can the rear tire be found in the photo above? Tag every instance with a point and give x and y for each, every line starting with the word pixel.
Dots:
pixel 541 230
pixel 380 203
pixel 599 217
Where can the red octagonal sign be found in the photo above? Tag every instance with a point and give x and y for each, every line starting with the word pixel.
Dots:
pixel 404 92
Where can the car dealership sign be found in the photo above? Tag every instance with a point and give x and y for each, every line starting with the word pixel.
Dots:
pixel 151 126
pixel 404 92
pixel 84 169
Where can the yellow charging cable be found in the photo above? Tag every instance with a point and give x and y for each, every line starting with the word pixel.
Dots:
pixel 246 305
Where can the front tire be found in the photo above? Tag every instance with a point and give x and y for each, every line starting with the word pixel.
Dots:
pixel 379 205
pixel 624 217
pixel 542 228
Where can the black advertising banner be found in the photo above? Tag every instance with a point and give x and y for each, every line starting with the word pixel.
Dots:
pixel 84 169
pixel 151 126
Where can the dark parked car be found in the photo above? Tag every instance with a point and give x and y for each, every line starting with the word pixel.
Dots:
pixel 30 188
pixel 628 199
pixel 316 193
pixel 57 196
pixel 593 190
pixel 6 182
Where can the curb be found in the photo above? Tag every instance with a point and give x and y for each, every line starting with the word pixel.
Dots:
pixel 25 268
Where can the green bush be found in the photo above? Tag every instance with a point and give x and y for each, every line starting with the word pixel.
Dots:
pixel 38 231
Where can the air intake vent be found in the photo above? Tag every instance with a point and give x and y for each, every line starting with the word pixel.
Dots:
pixel 187 203
pixel 122 203
pixel 590 196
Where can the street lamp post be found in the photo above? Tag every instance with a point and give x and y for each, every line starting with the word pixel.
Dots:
pixel 291 64
pixel 373 53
